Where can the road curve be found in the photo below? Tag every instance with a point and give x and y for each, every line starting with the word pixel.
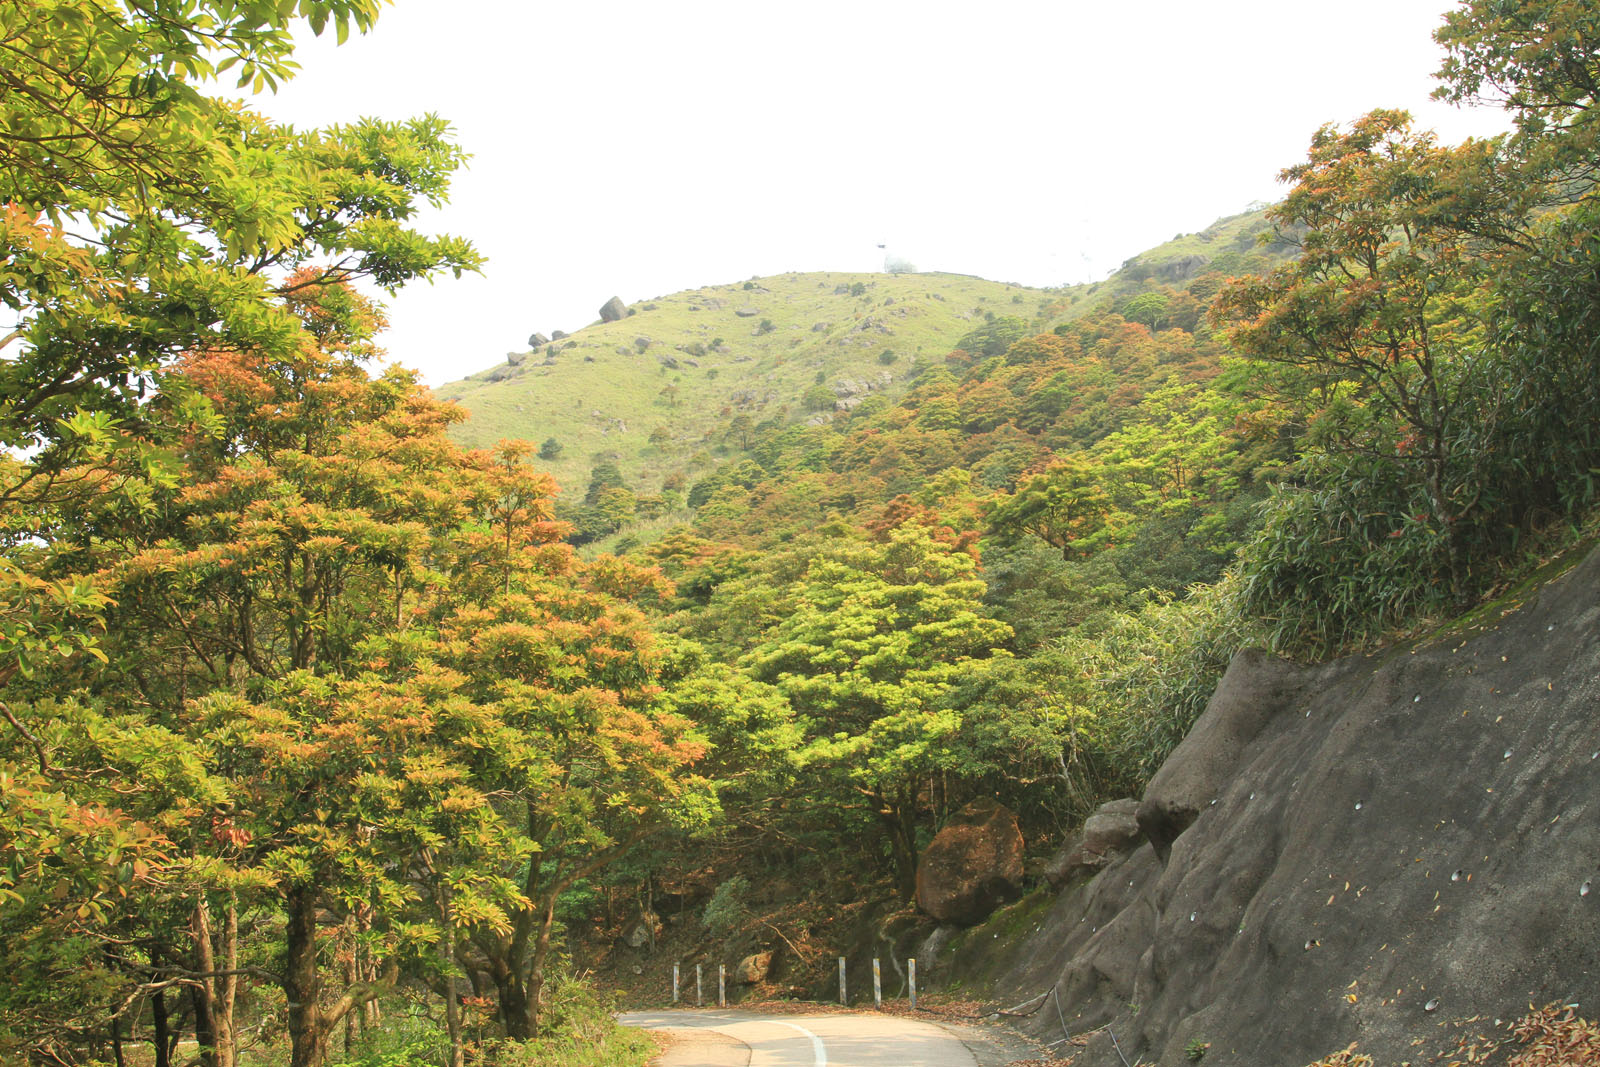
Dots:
pixel 728 1038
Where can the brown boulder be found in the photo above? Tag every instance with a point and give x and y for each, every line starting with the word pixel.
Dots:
pixel 972 865
pixel 753 969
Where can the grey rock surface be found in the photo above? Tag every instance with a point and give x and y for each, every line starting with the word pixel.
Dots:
pixel 1336 847
pixel 1112 829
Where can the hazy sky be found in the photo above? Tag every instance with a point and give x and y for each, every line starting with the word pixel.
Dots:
pixel 638 149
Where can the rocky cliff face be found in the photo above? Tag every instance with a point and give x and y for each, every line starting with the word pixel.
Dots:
pixel 1389 850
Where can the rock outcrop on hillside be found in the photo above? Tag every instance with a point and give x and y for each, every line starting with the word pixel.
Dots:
pixel 1375 850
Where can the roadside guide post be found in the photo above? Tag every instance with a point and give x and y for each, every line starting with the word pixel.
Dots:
pixel 699 991
pixel 877 983
pixel 911 972
pixel 722 985
pixel 843 999
pixel 674 983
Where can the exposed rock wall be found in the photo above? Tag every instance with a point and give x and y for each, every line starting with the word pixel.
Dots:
pixel 1373 850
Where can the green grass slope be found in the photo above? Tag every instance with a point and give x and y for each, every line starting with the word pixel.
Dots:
pixel 1230 246
pixel 691 362
pixel 681 368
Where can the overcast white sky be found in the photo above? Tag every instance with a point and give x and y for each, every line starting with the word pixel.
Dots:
pixel 637 149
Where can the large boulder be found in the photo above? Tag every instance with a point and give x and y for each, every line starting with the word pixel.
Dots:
pixel 1182 268
pixel 1112 830
pixel 643 931
pixel 537 340
pixel 613 310
pixel 972 865
pixel 753 969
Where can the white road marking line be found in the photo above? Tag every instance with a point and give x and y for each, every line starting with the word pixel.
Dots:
pixel 817 1051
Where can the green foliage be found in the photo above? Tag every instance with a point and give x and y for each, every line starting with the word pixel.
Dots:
pixel 407 1039
pixel 1094 714
pixel 582 1032
pixel 993 338
pixel 872 639
pixel 818 398
pixel 551 449
pixel 726 911
pixel 1149 308
pixel 1439 430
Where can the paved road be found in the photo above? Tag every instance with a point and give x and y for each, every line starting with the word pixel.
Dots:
pixel 744 1039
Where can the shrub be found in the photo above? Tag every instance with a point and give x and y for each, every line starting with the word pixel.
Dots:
pixel 726 909
pixel 578 1030
pixel 410 1039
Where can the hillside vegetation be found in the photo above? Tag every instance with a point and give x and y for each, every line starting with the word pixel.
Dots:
pixel 651 390
pixel 655 392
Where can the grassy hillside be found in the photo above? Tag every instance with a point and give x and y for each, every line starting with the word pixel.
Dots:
pixel 690 363
pixel 682 368
pixel 1229 246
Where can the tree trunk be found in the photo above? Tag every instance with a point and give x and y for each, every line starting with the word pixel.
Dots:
pixel 228 989
pixel 541 953
pixel 516 1011
pixel 158 1029
pixel 214 996
pixel 899 818
pixel 352 974
pixel 302 981
pixel 447 955
pixel 205 1034
pixel 371 1011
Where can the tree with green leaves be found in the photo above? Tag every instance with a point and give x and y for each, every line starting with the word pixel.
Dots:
pixel 1375 326
pixel 874 636
pixel 146 222
pixel 1067 506
pixel 1538 59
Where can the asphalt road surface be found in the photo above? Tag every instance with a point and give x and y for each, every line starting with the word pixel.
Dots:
pixel 746 1039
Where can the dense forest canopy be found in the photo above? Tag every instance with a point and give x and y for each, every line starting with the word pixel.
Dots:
pixel 316 722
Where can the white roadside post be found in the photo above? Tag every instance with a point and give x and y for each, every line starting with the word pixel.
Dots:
pixel 911 974
pixel 843 1000
pixel 877 983
pixel 699 989
pixel 674 983
pixel 722 985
